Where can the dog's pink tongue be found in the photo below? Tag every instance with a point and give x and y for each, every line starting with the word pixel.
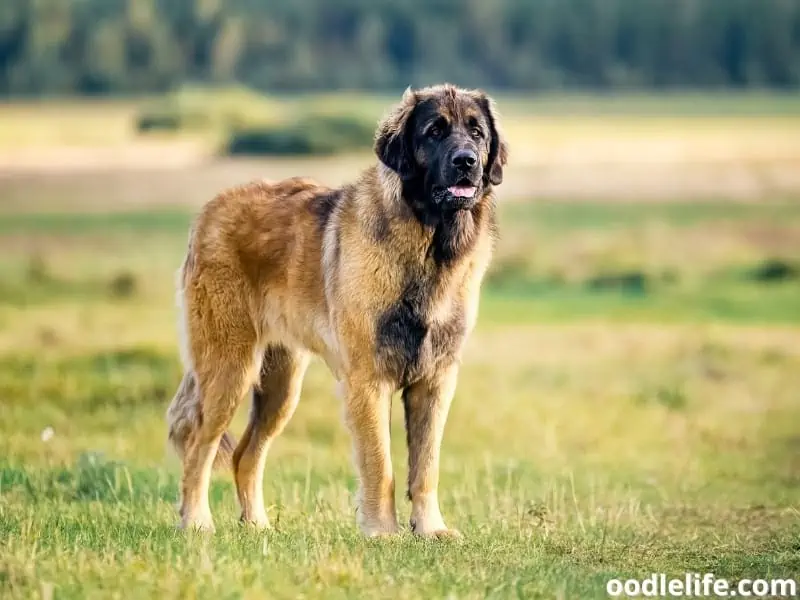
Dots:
pixel 462 191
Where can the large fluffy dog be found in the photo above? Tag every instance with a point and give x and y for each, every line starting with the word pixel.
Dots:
pixel 379 278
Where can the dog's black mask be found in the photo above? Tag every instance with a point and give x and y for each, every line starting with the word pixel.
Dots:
pixel 444 144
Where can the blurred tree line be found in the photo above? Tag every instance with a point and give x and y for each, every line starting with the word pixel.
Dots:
pixel 126 46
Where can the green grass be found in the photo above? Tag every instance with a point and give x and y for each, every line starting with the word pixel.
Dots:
pixel 529 281
pixel 547 216
pixel 597 433
pixel 733 302
pixel 82 224
pixel 556 488
pixel 557 217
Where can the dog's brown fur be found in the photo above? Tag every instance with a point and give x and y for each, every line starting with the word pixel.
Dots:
pixel 277 272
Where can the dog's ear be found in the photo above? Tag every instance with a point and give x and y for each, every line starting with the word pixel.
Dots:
pixel 393 138
pixel 498 147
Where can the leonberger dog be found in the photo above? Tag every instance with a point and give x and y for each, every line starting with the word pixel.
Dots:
pixel 380 278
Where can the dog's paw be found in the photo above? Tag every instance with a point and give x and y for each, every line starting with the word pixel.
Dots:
pixel 199 524
pixel 382 535
pixel 441 534
pixel 379 524
pixel 255 523
pixel 436 530
pixel 380 529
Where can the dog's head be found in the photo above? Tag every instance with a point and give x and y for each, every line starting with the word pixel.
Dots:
pixel 446 146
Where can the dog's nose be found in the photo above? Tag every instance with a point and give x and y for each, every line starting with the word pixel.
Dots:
pixel 464 158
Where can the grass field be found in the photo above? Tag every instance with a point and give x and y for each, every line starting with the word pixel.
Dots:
pixel 628 405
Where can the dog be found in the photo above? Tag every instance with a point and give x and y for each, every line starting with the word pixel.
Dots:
pixel 380 278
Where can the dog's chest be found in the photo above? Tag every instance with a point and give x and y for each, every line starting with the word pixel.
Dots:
pixel 422 331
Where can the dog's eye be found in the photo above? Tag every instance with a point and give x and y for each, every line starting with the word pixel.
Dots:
pixel 434 132
pixel 476 133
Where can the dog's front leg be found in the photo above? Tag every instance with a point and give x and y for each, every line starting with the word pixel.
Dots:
pixel 368 412
pixel 427 403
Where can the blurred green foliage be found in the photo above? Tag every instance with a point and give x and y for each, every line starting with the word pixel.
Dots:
pixel 314 134
pixel 249 123
pixel 196 108
pixel 127 46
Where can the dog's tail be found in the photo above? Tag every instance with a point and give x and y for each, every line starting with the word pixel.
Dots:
pixel 184 417
pixel 185 412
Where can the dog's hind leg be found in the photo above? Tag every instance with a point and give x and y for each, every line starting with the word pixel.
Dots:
pixel 223 348
pixel 275 398
pixel 221 390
